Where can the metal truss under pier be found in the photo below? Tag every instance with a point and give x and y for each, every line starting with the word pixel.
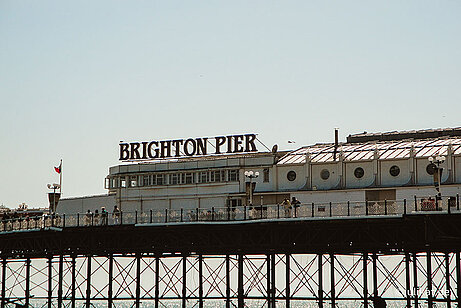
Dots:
pixel 408 260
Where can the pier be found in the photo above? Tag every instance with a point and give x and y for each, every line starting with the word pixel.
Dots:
pixel 321 254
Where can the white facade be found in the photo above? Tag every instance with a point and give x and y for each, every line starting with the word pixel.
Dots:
pixel 83 204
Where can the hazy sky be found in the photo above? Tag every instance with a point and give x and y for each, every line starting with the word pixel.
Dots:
pixel 76 77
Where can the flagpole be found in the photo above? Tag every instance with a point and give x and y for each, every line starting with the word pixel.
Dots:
pixel 60 179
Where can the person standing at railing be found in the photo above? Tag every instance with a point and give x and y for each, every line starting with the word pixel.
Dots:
pixel 88 217
pixel 116 215
pixel 46 220
pixel 103 216
pixel 286 204
pixel 295 204
pixel 96 218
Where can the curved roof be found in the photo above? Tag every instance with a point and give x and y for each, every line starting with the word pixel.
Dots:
pixel 320 153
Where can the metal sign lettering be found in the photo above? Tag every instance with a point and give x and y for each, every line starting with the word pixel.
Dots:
pixel 187 147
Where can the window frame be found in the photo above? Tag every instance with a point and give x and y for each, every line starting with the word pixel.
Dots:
pixel 187 175
pixel 233 175
pixel 266 175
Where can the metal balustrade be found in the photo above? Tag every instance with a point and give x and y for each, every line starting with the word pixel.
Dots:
pixel 325 210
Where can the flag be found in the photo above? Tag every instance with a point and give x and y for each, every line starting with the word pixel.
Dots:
pixel 58 169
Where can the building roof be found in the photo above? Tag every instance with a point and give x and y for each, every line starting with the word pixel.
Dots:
pixel 405 135
pixel 321 153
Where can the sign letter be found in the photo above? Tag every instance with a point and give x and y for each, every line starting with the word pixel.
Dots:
pixel 219 142
pixel 165 146
pixel 176 144
pixel 250 143
pixel 134 150
pixel 201 146
pixel 186 147
pixel 149 149
pixel 238 140
pixel 124 153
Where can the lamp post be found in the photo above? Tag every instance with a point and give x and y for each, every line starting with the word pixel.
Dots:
pixel 251 175
pixel 437 161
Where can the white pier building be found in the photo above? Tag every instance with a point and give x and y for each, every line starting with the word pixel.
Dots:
pixel 367 167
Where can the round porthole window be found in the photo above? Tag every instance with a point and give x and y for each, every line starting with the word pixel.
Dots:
pixel 358 172
pixel 325 174
pixel 431 169
pixel 291 176
pixel 394 170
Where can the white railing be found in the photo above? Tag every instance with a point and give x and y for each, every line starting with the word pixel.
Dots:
pixel 241 213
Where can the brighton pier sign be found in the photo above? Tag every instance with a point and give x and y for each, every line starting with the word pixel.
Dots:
pixel 187 147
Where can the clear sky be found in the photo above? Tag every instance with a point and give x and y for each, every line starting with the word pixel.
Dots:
pixel 76 77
